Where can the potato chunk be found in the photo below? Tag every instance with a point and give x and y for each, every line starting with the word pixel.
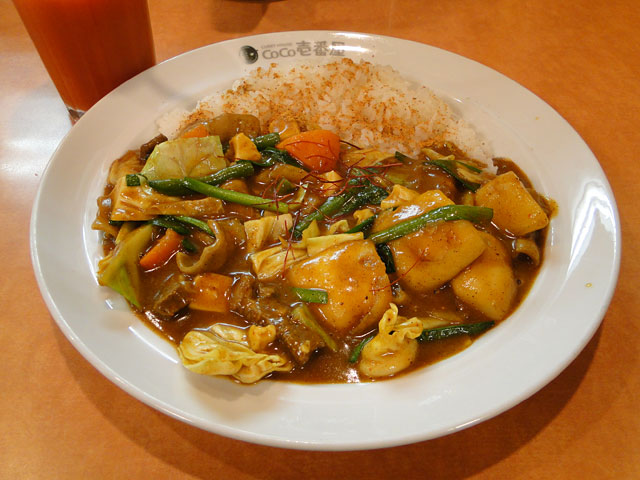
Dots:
pixel 514 209
pixel 430 257
pixel 244 148
pixel 488 284
pixel 354 277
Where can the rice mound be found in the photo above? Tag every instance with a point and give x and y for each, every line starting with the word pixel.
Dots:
pixel 365 104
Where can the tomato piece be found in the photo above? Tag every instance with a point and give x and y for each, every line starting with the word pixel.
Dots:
pixel 318 150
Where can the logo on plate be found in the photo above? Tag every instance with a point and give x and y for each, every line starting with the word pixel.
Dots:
pixel 303 48
pixel 249 54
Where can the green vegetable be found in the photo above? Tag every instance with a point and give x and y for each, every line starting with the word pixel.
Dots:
pixel 441 333
pixel 285 187
pixel 304 316
pixel 353 358
pixel 194 222
pixel 176 186
pixel 183 157
pixel 384 252
pixel 311 295
pixel 235 197
pixel 189 246
pixel 447 213
pixel 452 168
pixel 342 204
pixel 327 209
pixel 120 270
pixel 363 176
pixel 135 179
pixel 168 221
pixel 358 197
pixel 266 141
pixel 271 156
pixel 364 226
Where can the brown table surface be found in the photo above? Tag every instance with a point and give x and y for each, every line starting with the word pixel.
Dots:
pixel 60 418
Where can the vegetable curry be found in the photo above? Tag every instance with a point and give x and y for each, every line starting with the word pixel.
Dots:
pixel 283 252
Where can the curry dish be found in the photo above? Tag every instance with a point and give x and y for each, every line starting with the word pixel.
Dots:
pixel 281 251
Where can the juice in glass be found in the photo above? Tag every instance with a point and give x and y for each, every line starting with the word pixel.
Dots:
pixel 89 47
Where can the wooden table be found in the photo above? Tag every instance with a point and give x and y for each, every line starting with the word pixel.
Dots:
pixel 59 418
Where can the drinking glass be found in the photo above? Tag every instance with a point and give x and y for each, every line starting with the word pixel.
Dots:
pixel 89 47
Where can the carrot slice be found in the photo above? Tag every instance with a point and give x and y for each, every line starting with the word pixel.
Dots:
pixel 162 251
pixel 318 150
pixel 198 131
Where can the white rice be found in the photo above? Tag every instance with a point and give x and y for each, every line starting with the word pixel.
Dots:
pixel 365 104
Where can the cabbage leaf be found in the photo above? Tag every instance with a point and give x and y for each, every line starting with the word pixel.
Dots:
pixel 394 347
pixel 119 270
pixel 182 157
pixel 143 203
pixel 224 350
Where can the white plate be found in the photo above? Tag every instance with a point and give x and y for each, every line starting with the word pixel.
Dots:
pixel 502 368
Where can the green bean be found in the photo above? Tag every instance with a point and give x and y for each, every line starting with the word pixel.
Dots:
pixel 266 141
pixel 170 186
pixel 189 246
pixel 194 222
pixel 364 226
pixel 358 197
pixel 176 186
pixel 311 295
pixel 446 213
pixel 235 197
pixel 327 209
pixel 170 222
pixel 441 333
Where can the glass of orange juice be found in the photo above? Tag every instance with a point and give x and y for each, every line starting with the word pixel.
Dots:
pixel 89 47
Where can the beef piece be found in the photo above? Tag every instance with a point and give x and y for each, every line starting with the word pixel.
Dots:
pixel 257 304
pixel 172 298
pixel 260 311
pixel 300 340
pixel 265 290
pixel 147 148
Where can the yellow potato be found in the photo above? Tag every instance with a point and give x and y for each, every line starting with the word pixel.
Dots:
pixel 244 148
pixel 411 207
pixel 354 277
pixel 429 258
pixel 488 284
pixel 514 209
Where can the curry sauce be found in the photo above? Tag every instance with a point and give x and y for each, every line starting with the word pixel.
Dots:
pixel 263 299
